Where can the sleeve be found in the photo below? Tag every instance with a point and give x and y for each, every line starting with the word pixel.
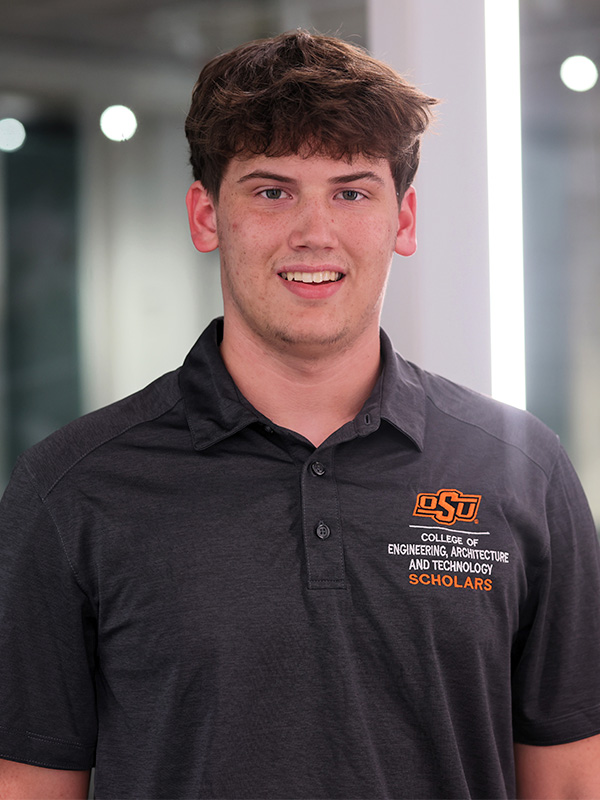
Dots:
pixel 47 640
pixel 556 670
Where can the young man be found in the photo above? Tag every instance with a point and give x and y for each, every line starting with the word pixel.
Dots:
pixel 300 567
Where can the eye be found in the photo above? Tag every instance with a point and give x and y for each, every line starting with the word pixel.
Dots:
pixel 273 193
pixel 351 194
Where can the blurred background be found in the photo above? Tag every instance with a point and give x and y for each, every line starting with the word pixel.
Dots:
pixel 101 289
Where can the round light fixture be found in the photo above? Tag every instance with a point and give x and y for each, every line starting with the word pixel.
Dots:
pixel 579 73
pixel 12 134
pixel 118 123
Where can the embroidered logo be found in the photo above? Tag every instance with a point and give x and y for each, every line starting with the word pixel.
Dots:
pixel 447 506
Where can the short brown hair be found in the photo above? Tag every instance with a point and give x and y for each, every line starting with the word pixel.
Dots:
pixel 306 94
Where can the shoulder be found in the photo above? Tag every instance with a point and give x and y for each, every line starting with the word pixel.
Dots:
pixel 51 459
pixel 480 421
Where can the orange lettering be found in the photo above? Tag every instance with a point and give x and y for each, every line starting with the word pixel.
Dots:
pixel 448 514
pixel 447 505
pixel 450 581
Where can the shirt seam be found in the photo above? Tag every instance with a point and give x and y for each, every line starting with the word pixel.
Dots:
pixel 58 533
pixel 43 498
pixel 95 447
pixel 32 762
pixel 573 714
pixel 43 737
pixel 547 474
pixel 341 551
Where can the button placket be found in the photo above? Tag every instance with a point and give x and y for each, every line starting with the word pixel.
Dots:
pixel 321 524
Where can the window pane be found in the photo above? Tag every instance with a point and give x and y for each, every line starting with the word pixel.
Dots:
pixel 561 186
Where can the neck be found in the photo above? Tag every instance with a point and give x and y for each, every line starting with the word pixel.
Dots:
pixel 314 394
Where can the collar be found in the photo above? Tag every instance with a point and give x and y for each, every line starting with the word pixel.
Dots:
pixel 401 398
pixel 215 409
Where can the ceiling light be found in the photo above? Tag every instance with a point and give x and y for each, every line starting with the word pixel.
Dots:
pixel 118 123
pixel 12 134
pixel 579 73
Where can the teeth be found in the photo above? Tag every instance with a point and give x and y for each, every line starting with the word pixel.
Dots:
pixel 312 277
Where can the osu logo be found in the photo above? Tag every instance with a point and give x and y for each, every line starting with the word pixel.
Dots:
pixel 447 506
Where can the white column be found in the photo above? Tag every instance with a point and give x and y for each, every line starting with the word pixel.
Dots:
pixel 437 305
pixel 3 382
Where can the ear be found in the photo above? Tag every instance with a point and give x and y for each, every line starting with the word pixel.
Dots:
pixel 202 216
pixel 406 238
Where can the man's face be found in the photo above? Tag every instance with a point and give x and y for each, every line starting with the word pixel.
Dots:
pixel 305 246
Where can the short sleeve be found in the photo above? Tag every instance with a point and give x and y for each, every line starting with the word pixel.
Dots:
pixel 47 640
pixel 556 670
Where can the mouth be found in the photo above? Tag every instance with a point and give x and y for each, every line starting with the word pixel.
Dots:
pixel 323 276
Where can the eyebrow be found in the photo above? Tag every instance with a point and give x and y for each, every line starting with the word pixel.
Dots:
pixel 267 176
pixel 357 176
pixel 274 176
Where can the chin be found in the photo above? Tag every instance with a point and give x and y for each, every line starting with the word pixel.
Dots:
pixel 296 338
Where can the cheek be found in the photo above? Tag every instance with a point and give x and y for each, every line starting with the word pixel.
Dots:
pixel 243 234
pixel 233 241
pixel 374 238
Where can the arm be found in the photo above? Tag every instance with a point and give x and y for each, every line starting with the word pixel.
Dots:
pixel 559 772
pixel 24 782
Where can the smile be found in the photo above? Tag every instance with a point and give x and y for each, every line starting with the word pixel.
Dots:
pixel 326 276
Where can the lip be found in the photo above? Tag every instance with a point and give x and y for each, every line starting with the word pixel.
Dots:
pixel 312 291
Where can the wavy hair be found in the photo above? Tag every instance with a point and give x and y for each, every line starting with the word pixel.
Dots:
pixel 306 94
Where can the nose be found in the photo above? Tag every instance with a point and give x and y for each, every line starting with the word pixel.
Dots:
pixel 313 226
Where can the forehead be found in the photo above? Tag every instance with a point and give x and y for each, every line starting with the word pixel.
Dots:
pixel 311 167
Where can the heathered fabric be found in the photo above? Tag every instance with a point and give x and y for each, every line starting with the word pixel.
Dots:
pixel 206 606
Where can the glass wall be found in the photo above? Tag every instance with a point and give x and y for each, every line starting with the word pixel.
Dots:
pixel 100 287
pixel 40 341
pixel 561 172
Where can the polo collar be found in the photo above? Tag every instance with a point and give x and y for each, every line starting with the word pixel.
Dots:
pixel 215 408
pixel 401 400
pixel 213 403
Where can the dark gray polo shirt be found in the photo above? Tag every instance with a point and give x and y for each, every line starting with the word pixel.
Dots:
pixel 206 606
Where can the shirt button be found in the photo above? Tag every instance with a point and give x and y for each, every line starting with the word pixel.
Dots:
pixel 323 531
pixel 317 468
